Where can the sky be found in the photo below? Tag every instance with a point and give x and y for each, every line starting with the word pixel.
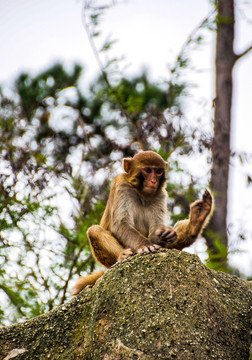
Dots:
pixel 34 34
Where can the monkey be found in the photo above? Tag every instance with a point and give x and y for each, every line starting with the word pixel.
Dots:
pixel 134 220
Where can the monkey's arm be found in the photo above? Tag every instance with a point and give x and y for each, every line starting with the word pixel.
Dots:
pixel 129 237
pixel 188 230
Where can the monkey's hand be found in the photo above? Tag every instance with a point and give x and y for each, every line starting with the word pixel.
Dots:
pixel 163 235
pixel 166 233
pixel 125 254
pixel 148 249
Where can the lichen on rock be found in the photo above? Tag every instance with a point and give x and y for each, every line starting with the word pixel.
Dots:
pixel 164 305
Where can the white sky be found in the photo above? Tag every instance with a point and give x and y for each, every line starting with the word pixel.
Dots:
pixel 34 34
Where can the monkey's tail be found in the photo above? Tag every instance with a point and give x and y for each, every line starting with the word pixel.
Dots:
pixel 85 281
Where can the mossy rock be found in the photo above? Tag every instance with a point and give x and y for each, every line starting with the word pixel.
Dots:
pixel 165 305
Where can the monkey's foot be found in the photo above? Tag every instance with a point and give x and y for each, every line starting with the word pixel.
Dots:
pixel 148 249
pixel 125 254
pixel 201 209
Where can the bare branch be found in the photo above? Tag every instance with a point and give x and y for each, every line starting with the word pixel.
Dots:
pixel 191 37
pixel 99 61
pixel 245 52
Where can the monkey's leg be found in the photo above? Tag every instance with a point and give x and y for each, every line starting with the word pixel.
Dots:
pixel 105 247
pixel 188 230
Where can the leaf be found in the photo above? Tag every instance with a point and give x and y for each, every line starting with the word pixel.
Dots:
pixel 199 39
pixel 95 34
pixel 249 180
pixel 108 44
pixel 94 19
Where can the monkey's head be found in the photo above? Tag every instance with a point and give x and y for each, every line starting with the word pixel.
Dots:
pixel 146 172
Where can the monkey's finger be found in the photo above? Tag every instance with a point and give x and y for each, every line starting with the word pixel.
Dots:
pixel 207 197
pixel 171 236
pixel 167 233
pixel 159 232
pixel 148 249
pixel 206 193
pixel 171 240
pixel 154 247
pixel 144 250
pixel 163 231
pixel 125 254
pixel 128 252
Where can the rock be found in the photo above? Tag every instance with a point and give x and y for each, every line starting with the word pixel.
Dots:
pixel 165 305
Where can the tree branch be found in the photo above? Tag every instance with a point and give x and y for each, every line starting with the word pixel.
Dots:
pixel 245 52
pixel 191 37
pixel 96 52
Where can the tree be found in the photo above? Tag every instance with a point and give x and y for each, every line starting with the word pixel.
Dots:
pixel 36 265
pixel 61 145
pixel 225 60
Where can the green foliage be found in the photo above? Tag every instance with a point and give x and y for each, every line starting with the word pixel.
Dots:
pixel 57 145
pixel 217 257
pixel 60 148
pixel 35 91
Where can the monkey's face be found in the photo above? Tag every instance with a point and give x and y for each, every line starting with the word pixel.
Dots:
pixel 152 176
pixel 146 172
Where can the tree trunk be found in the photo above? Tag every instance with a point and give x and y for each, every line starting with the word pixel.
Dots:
pixel 224 62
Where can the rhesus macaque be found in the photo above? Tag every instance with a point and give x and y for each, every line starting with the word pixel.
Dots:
pixel 134 221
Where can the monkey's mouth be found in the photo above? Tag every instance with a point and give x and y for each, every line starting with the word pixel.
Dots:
pixel 150 189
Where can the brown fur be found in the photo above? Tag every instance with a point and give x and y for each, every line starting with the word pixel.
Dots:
pixel 134 221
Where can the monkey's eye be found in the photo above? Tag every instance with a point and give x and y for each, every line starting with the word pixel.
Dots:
pixel 159 171
pixel 148 170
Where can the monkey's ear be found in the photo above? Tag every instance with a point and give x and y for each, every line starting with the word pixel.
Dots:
pixel 127 164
